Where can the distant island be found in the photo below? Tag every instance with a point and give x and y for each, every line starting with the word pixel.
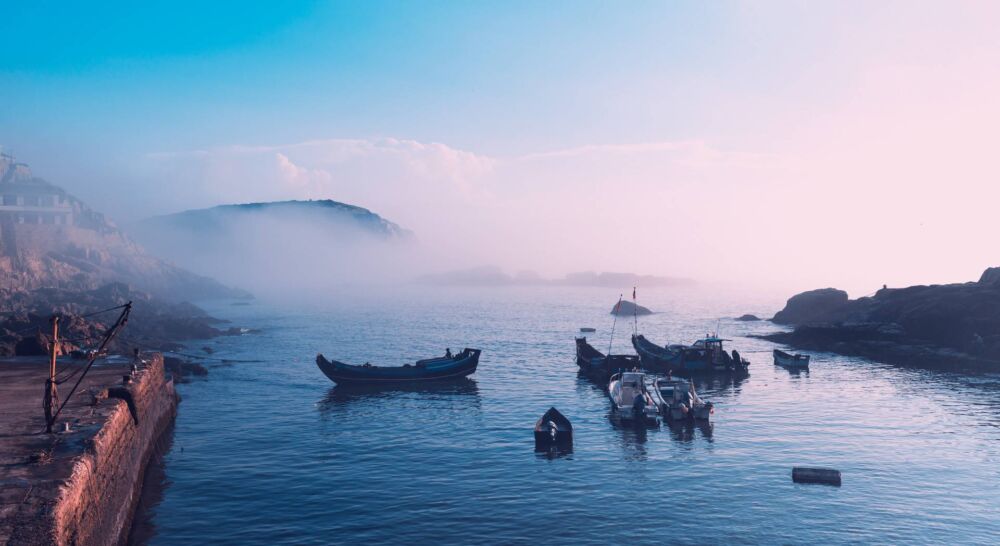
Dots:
pixel 950 326
pixel 280 247
pixel 332 215
pixel 495 276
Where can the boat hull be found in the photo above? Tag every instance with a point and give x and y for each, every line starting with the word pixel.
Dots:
pixel 553 431
pixel 787 360
pixel 435 369
pixel 683 361
pixel 593 362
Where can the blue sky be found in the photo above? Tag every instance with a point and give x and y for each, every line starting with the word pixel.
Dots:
pixel 534 115
pixel 494 77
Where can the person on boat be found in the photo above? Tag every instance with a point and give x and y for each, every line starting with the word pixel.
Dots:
pixel 447 352
pixel 638 405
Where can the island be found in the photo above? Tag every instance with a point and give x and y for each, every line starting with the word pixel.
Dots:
pixel 950 326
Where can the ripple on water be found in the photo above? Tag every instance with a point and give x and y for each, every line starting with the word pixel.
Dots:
pixel 272 453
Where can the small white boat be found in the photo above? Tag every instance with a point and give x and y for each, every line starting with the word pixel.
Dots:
pixel 678 401
pixel 631 399
pixel 788 360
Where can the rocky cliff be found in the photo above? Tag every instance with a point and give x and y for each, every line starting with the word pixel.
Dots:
pixel 952 323
pixel 48 238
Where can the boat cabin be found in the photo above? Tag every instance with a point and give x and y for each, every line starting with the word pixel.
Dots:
pixel 632 385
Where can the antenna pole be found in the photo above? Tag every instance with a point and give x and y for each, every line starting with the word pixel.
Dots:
pixel 51 398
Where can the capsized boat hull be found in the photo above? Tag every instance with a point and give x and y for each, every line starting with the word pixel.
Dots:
pixel 432 369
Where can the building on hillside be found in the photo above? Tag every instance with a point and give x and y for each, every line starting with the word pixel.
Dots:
pixel 25 199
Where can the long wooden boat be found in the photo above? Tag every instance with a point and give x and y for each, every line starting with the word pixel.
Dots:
pixel 445 367
pixel 788 360
pixel 594 362
pixel 705 356
pixel 553 430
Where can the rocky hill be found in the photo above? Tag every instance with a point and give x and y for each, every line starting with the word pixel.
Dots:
pixel 281 249
pixel 951 324
pixel 49 238
pixel 332 215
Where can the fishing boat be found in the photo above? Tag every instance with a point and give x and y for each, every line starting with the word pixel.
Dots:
pixel 594 362
pixel 678 401
pixel 788 360
pixel 445 367
pixel 631 399
pixel 553 430
pixel 704 356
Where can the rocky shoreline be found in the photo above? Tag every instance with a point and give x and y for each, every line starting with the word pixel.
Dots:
pixel 953 326
pixel 155 324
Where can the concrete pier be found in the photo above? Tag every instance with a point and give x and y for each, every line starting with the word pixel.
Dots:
pixel 79 487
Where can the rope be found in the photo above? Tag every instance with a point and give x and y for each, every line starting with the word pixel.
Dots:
pixel 138 345
pixel 119 324
pixel 106 310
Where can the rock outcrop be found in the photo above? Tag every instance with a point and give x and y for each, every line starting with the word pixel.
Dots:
pixel 948 324
pixel 748 318
pixel 822 305
pixel 155 323
pixel 627 308
pixel 990 276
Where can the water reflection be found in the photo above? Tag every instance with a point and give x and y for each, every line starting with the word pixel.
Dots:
pixel 685 432
pixel 554 452
pixel 342 395
pixel 633 438
pixel 591 382
pixel 798 373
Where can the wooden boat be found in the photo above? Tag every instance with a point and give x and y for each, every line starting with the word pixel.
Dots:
pixel 553 430
pixel 594 362
pixel 788 360
pixel 678 401
pixel 630 398
pixel 445 367
pixel 705 356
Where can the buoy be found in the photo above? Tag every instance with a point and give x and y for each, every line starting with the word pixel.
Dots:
pixel 828 476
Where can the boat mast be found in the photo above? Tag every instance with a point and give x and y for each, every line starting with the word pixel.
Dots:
pixel 618 307
pixel 635 314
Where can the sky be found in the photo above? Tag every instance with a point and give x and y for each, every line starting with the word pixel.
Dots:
pixel 793 144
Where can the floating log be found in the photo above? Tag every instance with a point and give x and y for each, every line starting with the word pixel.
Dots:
pixel 829 476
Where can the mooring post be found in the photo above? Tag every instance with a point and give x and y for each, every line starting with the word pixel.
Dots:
pixel 51 399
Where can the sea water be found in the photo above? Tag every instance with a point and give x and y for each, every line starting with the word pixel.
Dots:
pixel 269 451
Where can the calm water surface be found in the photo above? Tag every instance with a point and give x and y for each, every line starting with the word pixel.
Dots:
pixel 271 452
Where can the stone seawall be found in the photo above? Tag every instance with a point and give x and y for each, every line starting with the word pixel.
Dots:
pixel 97 503
pixel 88 492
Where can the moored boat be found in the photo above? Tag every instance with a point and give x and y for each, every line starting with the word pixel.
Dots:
pixel 631 399
pixel 445 367
pixel 705 356
pixel 678 400
pixel 788 360
pixel 594 362
pixel 553 430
